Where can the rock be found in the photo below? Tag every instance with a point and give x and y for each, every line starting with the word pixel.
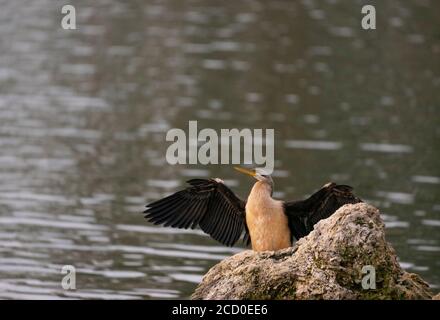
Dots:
pixel 436 297
pixel 327 264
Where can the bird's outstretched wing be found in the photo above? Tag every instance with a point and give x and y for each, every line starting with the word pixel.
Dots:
pixel 303 215
pixel 207 203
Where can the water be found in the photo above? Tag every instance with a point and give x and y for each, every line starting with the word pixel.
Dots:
pixel 83 115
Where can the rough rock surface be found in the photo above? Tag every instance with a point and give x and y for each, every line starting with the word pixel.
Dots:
pixel 327 264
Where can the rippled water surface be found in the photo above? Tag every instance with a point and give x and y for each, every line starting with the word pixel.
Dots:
pixel 83 117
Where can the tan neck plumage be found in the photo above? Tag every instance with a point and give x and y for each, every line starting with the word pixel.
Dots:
pixel 267 223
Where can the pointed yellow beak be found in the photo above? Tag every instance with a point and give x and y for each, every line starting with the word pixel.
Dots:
pixel 246 171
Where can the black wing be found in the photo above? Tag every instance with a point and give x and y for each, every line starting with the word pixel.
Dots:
pixel 303 215
pixel 206 203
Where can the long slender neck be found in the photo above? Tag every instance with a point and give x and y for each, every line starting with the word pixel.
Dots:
pixel 261 190
pixel 268 225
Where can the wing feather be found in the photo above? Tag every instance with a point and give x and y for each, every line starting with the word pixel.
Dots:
pixel 191 216
pixel 206 203
pixel 304 214
pixel 229 226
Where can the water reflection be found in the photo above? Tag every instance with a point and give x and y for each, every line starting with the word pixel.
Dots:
pixel 83 116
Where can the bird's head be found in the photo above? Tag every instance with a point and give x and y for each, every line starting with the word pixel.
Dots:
pixel 258 173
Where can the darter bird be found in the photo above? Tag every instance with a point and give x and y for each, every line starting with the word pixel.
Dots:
pixel 267 223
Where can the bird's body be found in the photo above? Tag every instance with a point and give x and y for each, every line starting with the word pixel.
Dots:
pixel 267 223
pixel 264 215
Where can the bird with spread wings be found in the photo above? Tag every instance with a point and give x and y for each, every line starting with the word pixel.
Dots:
pixel 267 223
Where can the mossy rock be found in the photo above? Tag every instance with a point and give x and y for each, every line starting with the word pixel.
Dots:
pixel 327 264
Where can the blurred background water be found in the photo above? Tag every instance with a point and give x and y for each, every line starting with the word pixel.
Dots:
pixel 84 113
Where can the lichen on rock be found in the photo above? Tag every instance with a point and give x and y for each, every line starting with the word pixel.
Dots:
pixel 327 264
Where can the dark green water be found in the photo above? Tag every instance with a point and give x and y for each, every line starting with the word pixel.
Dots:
pixel 84 113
